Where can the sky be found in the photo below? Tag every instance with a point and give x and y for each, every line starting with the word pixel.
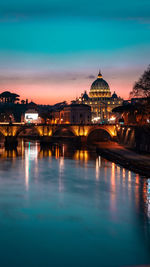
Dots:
pixel 52 50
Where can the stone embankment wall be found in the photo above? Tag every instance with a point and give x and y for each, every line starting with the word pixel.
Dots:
pixel 135 137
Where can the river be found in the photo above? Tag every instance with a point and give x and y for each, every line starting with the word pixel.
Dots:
pixel 72 208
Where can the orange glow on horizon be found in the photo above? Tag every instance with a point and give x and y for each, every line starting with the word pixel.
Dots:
pixel 55 92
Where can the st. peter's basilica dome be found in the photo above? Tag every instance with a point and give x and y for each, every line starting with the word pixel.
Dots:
pixel 99 88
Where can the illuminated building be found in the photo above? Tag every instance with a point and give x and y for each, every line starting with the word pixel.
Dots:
pixel 101 101
pixel 72 114
pixel 76 114
pixel 31 116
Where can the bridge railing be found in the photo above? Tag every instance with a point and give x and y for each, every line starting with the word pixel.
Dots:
pixel 59 124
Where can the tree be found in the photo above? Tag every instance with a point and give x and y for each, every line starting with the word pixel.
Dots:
pixel 142 86
pixel 23 102
pixel 135 113
pixel 14 98
pixel 127 112
pixel 5 96
pixel 8 97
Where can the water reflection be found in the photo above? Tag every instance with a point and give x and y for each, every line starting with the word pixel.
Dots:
pixel 31 154
pixel 98 165
pixel 120 178
pixel 61 171
pixel 147 196
pixel 81 155
pixel 8 153
pixel 87 185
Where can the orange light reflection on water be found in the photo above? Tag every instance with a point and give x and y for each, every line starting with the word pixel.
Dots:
pixel 81 155
pixel 61 170
pixel 57 152
pixel 137 178
pixel 98 165
pixel 113 188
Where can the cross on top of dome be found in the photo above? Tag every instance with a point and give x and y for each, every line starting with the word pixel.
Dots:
pixel 99 75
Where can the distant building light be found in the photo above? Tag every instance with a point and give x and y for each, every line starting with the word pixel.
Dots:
pixel 112 118
pixel 31 117
pixel 96 119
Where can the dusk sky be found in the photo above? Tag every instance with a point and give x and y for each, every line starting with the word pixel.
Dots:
pixel 52 50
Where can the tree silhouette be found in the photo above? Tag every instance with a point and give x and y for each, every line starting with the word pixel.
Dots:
pixel 8 97
pixel 142 86
pixel 14 98
pixel 23 102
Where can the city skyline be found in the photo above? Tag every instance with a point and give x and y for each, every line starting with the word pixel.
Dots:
pixel 52 51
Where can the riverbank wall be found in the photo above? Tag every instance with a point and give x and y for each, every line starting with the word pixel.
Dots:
pixel 129 159
pixel 135 137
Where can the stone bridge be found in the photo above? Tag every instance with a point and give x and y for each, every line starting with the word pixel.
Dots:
pixel 12 131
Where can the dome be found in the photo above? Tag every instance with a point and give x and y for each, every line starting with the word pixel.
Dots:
pixel 99 83
pixel 114 95
pixel 100 87
pixel 85 96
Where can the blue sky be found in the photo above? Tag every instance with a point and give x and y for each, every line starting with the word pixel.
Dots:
pixel 52 50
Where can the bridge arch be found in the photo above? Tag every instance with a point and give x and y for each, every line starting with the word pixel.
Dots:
pixel 99 134
pixel 27 131
pixel 63 132
pixel 2 132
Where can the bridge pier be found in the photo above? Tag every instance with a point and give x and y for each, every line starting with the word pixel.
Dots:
pixel 11 142
pixel 83 140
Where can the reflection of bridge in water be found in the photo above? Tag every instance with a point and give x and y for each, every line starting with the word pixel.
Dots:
pixel 49 133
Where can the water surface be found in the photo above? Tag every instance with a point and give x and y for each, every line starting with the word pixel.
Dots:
pixel 60 207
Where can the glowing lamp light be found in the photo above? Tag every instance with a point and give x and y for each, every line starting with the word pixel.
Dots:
pixel 112 118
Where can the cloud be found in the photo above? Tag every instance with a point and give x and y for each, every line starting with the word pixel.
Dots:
pixel 96 9
pixel 91 77
pixel 37 78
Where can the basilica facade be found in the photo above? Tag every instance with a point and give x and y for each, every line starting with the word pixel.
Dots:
pixel 101 100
